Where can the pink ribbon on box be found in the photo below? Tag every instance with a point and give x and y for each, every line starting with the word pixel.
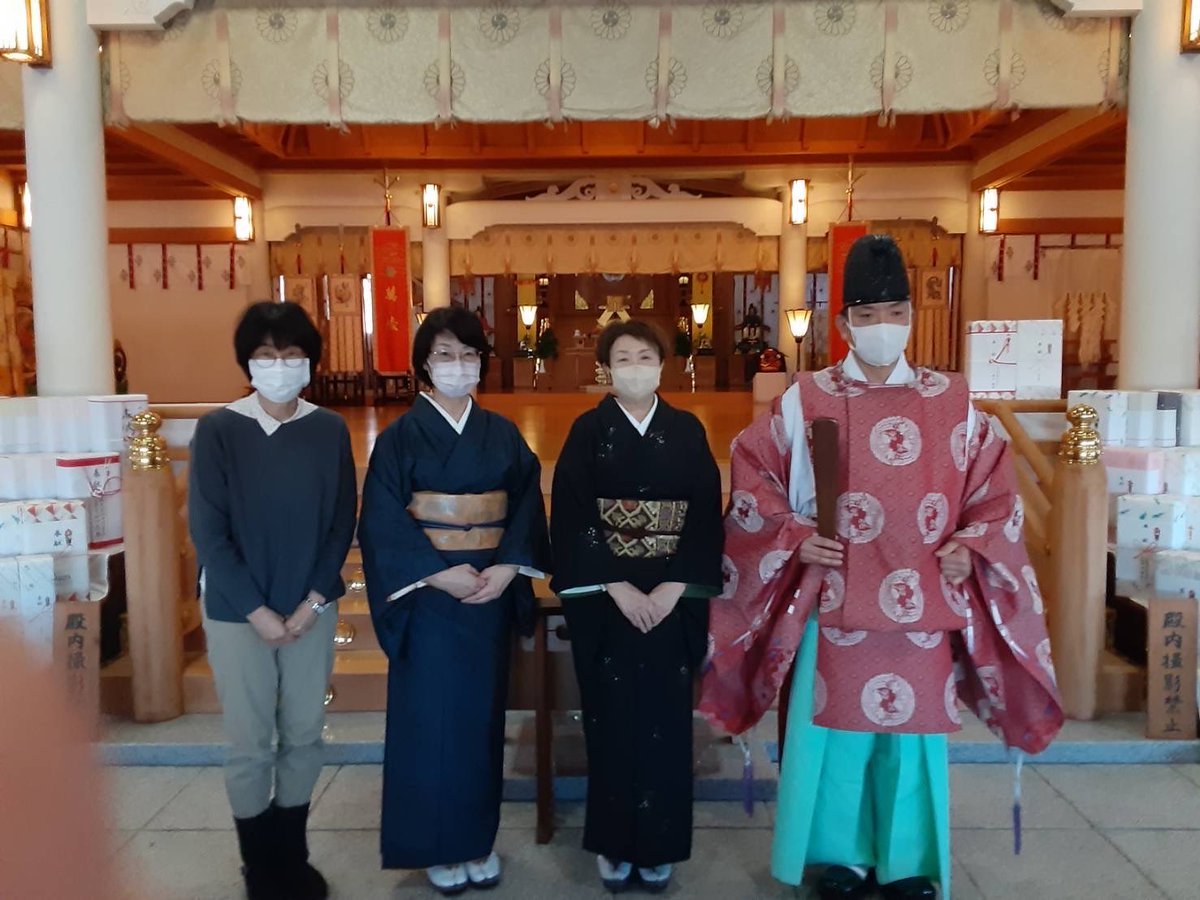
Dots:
pixel 555 95
pixel 445 95
pixel 891 16
pixel 116 96
pixel 225 88
pixel 662 90
pixel 110 487
pixel 1004 57
pixel 778 62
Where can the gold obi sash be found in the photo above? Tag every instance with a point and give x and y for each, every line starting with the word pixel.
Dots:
pixel 461 521
pixel 643 529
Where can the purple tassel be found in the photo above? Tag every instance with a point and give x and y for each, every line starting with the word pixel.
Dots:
pixel 1020 762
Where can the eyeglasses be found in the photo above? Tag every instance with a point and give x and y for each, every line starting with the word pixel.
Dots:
pixel 291 362
pixel 443 356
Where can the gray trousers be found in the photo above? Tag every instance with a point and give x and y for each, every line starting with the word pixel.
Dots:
pixel 266 691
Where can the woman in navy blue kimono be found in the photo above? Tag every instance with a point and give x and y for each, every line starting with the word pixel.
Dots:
pixel 453 525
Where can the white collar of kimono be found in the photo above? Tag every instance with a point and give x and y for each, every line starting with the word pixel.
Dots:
pixel 251 408
pixel 459 425
pixel 644 425
pixel 902 374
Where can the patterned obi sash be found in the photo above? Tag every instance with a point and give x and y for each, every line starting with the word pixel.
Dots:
pixel 643 529
pixel 461 522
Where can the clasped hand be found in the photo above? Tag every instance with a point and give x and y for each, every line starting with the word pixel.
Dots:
pixel 645 611
pixel 953 558
pixel 468 584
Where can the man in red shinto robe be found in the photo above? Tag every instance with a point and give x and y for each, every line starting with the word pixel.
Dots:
pixel 927 598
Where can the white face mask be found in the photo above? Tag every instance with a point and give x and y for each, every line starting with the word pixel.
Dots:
pixel 879 345
pixel 454 379
pixel 277 381
pixel 636 383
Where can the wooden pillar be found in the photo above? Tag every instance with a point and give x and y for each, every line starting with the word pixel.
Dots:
pixel 152 575
pixel 723 323
pixel 1078 548
pixel 504 299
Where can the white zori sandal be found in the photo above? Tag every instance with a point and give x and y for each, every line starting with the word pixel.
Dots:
pixel 615 876
pixel 485 873
pixel 448 880
pixel 656 880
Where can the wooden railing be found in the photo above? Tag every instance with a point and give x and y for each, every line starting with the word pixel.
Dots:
pixel 1066 521
pixel 1066 532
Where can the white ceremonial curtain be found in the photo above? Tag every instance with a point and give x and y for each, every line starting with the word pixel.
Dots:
pixel 399 63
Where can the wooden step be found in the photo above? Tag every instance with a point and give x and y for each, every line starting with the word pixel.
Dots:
pixel 1122 685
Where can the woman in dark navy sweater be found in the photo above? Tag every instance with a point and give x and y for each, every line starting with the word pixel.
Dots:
pixel 271 508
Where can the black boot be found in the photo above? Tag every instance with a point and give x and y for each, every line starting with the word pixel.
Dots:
pixel 255 840
pixel 909 889
pixel 842 883
pixel 300 880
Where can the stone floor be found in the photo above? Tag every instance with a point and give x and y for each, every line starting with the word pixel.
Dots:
pixel 1092 832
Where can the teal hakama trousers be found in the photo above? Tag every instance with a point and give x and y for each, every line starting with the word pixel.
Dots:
pixel 879 801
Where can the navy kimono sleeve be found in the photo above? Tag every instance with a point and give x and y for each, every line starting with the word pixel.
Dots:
pixel 396 551
pixel 525 542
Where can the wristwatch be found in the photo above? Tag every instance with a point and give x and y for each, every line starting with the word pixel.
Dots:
pixel 318 607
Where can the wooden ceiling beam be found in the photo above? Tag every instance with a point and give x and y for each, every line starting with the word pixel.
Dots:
pixel 1054 180
pixel 1080 225
pixel 965 127
pixel 130 187
pixel 172 236
pixel 1065 134
pixel 192 157
pixel 269 138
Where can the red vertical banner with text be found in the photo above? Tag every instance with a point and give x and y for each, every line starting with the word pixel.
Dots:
pixel 841 237
pixel 392 298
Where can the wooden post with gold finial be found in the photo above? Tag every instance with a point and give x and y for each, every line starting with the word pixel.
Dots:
pixel 152 575
pixel 1079 548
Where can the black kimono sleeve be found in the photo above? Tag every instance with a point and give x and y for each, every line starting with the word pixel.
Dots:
pixel 581 555
pixel 697 562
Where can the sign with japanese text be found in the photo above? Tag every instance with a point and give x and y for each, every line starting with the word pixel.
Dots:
pixel 77 657
pixel 1171 669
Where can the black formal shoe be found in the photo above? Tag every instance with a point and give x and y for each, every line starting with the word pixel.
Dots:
pixel 909 889
pixel 300 880
pixel 260 868
pixel 842 883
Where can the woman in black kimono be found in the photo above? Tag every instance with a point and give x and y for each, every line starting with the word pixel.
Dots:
pixel 636 531
pixel 453 525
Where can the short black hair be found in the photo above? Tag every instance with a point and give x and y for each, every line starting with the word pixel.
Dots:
pixel 461 323
pixel 283 324
pixel 645 333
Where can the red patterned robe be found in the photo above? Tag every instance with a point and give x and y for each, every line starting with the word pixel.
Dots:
pixel 899 644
